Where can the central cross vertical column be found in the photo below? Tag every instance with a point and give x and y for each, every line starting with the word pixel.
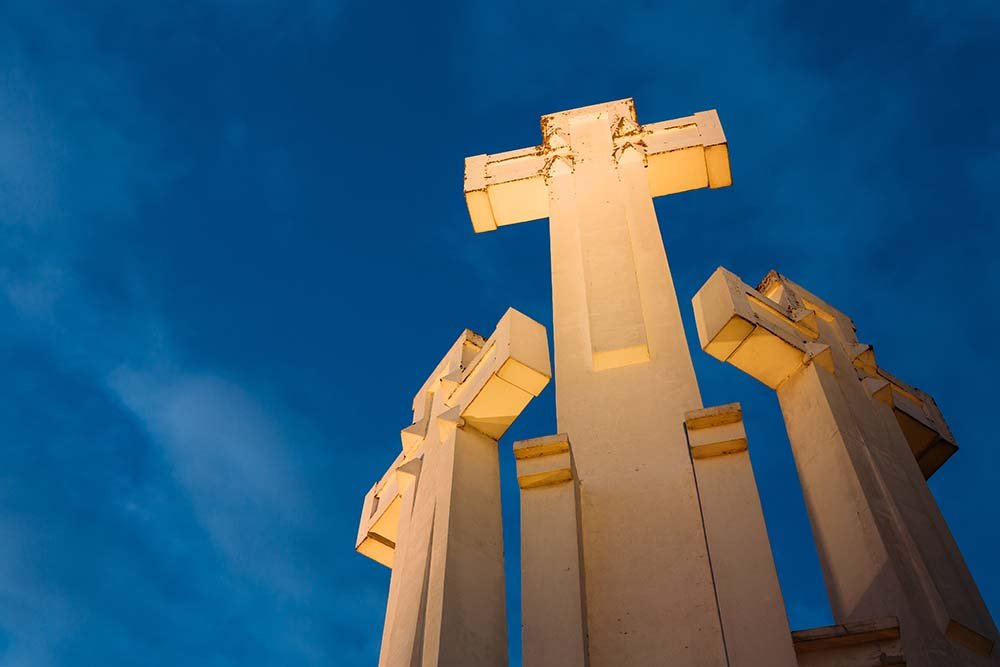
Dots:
pixel 624 376
pixel 624 380
pixel 580 190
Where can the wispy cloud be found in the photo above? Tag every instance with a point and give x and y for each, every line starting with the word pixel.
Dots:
pixel 235 462
pixel 155 505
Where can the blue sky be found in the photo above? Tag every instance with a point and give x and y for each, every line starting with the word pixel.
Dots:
pixel 233 243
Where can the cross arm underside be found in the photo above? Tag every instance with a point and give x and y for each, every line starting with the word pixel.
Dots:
pixel 486 384
pixel 919 416
pixel 679 155
pixel 770 341
pixel 512 368
pixel 739 325
pixel 380 517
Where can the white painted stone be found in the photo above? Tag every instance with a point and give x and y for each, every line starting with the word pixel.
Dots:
pixel 746 583
pixel 435 516
pixel 554 621
pixel 884 547
pixel 624 377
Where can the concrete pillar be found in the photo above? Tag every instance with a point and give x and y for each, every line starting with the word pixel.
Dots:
pixel 751 606
pixel 554 632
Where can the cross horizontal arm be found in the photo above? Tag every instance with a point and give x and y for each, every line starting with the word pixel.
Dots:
pixel 927 434
pixel 482 384
pixel 771 338
pixel 380 517
pixel 764 339
pixel 682 154
pixel 506 188
pixel 512 368
pixel 918 415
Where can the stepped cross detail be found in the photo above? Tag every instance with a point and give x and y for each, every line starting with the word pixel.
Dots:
pixel 595 163
pixel 623 376
pixel 434 517
pixel 864 444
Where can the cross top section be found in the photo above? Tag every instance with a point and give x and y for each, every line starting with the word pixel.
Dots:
pixel 678 155
pixel 773 331
pixel 482 384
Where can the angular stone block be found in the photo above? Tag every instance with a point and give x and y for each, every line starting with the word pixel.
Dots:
pixel 751 606
pixel 554 619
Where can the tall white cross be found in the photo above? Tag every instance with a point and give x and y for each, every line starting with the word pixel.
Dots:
pixel 864 442
pixel 434 517
pixel 624 377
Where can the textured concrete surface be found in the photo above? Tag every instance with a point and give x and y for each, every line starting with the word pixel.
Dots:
pixel 884 546
pixel 751 606
pixel 444 538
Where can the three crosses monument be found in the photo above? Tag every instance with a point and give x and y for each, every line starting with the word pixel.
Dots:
pixel 642 536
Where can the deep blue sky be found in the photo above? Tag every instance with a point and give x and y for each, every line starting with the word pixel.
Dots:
pixel 233 243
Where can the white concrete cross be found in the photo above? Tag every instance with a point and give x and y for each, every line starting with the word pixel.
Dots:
pixel 624 376
pixel 434 517
pixel 770 339
pixel 864 442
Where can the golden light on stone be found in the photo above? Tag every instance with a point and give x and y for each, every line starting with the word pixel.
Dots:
pixel 643 541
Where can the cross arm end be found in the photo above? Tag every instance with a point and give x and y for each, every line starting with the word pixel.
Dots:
pixel 506 188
